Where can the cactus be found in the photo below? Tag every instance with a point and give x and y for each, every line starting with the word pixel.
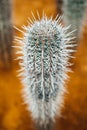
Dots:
pixel 73 14
pixel 59 6
pixel 6 35
pixel 45 49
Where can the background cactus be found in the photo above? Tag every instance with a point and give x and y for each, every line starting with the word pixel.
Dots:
pixel 45 50
pixel 59 6
pixel 73 14
pixel 6 34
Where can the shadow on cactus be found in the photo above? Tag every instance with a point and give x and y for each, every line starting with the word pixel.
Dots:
pixel 46 47
pixel 6 33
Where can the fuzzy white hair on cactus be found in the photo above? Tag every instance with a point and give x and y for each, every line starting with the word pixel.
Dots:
pixel 46 47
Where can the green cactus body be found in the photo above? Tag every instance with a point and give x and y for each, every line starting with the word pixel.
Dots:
pixel 6 35
pixel 73 14
pixel 45 53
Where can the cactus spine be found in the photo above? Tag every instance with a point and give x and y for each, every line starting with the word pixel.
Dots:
pixel 6 35
pixel 45 50
pixel 73 14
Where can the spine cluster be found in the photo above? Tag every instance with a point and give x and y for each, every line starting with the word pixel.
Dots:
pixel 46 48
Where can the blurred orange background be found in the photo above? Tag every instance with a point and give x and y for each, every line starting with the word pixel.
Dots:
pixel 13 113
